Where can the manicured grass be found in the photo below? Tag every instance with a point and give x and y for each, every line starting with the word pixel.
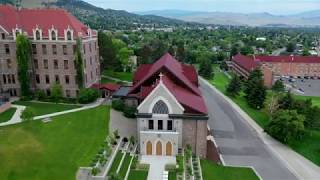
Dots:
pixel 40 108
pixel 214 171
pixel 138 174
pixel 172 175
pixel 309 147
pixel 125 165
pixel 7 115
pixel 53 150
pixel 115 163
pixel 124 76
pixel 106 80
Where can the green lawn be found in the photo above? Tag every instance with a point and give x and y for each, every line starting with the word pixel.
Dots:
pixel 124 76
pixel 125 165
pixel 46 108
pixel 7 115
pixel 106 80
pixel 214 171
pixel 309 147
pixel 115 163
pixel 138 174
pixel 53 150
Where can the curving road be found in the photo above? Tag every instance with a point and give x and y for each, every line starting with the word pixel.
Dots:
pixel 238 143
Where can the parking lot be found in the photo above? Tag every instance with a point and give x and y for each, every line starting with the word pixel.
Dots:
pixel 301 86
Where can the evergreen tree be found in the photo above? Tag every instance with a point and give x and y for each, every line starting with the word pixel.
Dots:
pixel 205 69
pixel 287 101
pixel 278 86
pixel 23 58
pixel 255 91
pixel 234 86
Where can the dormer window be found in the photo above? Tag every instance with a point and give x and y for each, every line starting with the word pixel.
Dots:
pixel 53 35
pixel 17 33
pixel 38 36
pixel 69 38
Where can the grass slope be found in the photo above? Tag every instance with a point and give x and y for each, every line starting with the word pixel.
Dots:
pixel 46 108
pixel 124 76
pixel 214 171
pixel 54 150
pixel 115 163
pixel 125 165
pixel 7 115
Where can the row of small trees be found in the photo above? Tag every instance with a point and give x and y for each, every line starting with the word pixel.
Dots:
pixel 288 117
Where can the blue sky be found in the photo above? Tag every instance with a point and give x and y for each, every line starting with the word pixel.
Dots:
pixel 244 6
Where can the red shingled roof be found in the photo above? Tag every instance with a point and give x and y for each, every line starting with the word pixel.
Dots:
pixel 251 62
pixel 45 19
pixel 182 82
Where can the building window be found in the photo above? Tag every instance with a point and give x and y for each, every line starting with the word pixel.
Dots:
pixel 67 79
pixel 55 64
pixel 3 36
pixel 57 79
pixel 160 124
pixel 169 125
pixel 44 49
pixel 69 36
pixel 84 49
pixel 6 46
pixel 4 79
pixel 54 49
pixel 160 108
pixel 13 79
pixel 36 65
pixel 90 48
pixel 34 49
pixel 38 35
pixel 150 124
pixel 74 48
pixel 66 64
pixel 53 35
pixel 9 78
pixel 45 64
pixel 68 93
pixel 38 78
pixel 91 61
pixel 47 79
pixel 64 49
pixel 9 63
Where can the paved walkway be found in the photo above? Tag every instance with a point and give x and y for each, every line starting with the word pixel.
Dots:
pixel 16 117
pixel 116 79
pixel 157 165
pixel 227 130
pixel 126 127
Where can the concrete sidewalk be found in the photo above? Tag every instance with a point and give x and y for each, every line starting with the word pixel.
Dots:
pixel 300 166
pixel 16 117
pixel 157 165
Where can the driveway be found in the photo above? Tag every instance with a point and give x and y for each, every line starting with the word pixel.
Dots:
pixel 126 127
pixel 238 143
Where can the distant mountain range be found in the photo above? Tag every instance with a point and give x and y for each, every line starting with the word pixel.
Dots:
pixel 309 18
pixel 99 18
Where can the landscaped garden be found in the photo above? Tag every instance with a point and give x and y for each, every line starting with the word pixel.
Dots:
pixel 211 170
pixel 52 150
pixel 42 108
pixel 308 147
pixel 124 76
pixel 7 115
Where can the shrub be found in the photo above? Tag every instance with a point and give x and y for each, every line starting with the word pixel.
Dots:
pixel 125 139
pixel 88 95
pixel 134 163
pixel 116 134
pixel 129 112
pixel 95 171
pixel 118 105
pixel 40 94
pixel 27 114
pixel 170 167
pixel 56 93
pixel 132 140
pixel 143 166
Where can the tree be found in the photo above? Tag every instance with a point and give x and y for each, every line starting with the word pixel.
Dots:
pixel 124 57
pixel 286 125
pixel 305 52
pixel 287 101
pixel 79 64
pixel 291 47
pixel 255 91
pixel 278 86
pixel 28 114
pixel 106 50
pixel 245 50
pixel 181 53
pixel 88 95
pixel 145 54
pixel 205 68
pixel 234 87
pixel 56 92
pixel 23 58
pixel 234 50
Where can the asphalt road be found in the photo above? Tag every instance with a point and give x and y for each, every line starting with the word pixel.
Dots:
pixel 237 142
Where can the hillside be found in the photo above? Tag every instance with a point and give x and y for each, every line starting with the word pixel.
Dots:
pixel 99 18
pixel 309 18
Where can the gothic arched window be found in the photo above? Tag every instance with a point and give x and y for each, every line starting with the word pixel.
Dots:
pixel 69 36
pixel 160 108
pixel 37 35
pixel 53 35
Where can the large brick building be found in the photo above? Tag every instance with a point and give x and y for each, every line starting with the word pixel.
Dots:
pixel 271 66
pixel 171 110
pixel 53 34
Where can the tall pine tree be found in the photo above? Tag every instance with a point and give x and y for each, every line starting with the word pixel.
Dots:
pixel 255 91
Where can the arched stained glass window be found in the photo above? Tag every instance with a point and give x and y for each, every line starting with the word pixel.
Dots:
pixel 160 108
